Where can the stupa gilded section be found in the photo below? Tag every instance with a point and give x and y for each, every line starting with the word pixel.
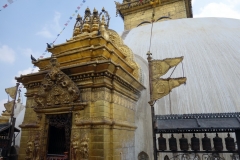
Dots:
pixel 134 12
pixel 81 104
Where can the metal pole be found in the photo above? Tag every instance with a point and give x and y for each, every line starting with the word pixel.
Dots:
pixel 12 124
pixel 152 107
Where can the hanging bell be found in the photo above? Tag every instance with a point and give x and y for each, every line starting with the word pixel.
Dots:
pixel 195 144
pixel 162 145
pixel 206 142
pixel 230 145
pixel 172 143
pixel 218 144
pixel 166 157
pixel 183 143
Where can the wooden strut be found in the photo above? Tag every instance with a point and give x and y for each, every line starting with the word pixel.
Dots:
pixel 12 125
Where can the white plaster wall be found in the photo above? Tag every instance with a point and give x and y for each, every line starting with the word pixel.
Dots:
pixel 211 50
pixel 143 133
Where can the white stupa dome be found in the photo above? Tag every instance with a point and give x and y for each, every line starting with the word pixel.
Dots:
pixel 211 50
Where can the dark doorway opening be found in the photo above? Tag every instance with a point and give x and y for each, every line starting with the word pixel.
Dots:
pixel 57 140
pixel 59 132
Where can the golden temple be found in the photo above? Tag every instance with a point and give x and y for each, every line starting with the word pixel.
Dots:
pixel 85 94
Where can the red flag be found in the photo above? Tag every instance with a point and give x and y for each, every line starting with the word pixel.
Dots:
pixel 5 6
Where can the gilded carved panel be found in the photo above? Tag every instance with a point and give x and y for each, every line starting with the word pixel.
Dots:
pixel 56 88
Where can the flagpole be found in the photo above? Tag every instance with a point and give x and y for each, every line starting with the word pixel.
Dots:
pixel 149 58
pixel 12 124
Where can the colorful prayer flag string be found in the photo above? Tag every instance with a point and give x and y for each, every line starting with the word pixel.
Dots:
pixel 7 4
pixel 65 25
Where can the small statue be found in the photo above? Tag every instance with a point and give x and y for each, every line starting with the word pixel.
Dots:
pixel 29 151
pixel 75 146
pixel 84 149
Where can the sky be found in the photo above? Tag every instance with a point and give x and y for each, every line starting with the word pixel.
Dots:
pixel 27 25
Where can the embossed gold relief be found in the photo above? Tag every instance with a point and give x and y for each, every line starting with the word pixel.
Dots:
pixel 33 147
pixel 56 89
pixel 84 149
pixel 118 42
pixel 162 87
pixel 161 67
pixel 29 150
pixel 91 24
pixel 75 151
pixel 134 12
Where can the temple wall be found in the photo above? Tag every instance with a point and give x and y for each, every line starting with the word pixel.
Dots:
pixel 174 10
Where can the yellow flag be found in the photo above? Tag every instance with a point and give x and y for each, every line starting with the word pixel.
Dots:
pixel 162 87
pixel 161 67
pixel 8 106
pixel 11 91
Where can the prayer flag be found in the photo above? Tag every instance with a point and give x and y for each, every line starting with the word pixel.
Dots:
pixel 63 28
pixel 10 1
pixel 70 18
pixel 11 91
pixel 76 11
pixel 78 7
pixel 73 15
pixel 58 35
pixel 161 67
pixel 84 1
pixel 66 24
pixel 41 56
pixel 162 87
pixel 5 6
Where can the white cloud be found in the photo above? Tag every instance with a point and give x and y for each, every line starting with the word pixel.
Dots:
pixel 7 54
pixel 51 28
pixel 28 52
pixel 220 10
pixel 24 72
pixel 2 108
pixel 45 33
pixel 27 71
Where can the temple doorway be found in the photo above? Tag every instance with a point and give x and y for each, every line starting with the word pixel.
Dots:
pixel 57 140
pixel 59 133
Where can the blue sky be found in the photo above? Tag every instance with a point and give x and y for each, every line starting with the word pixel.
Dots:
pixel 27 25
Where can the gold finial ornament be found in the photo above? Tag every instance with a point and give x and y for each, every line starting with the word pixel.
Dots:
pixel 91 22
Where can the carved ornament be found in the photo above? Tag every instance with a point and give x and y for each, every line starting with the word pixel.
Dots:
pixel 84 149
pixel 118 42
pixel 33 147
pixel 56 88
pixel 75 145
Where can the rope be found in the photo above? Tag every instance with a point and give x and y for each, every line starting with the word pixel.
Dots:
pixel 151 38
pixel 182 69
